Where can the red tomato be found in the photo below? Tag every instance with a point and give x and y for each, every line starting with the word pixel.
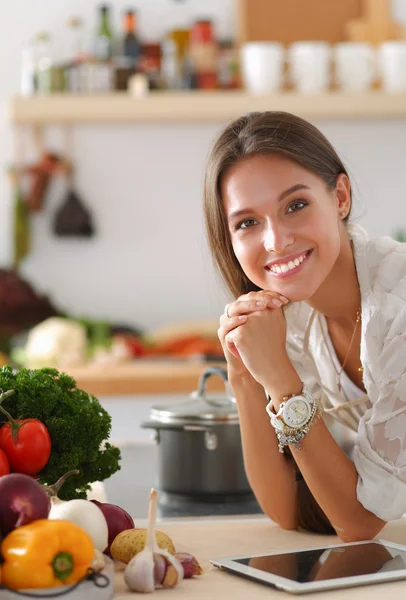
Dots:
pixel 4 466
pixel 28 448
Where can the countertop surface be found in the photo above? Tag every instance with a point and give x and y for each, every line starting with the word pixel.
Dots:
pixel 224 537
pixel 144 376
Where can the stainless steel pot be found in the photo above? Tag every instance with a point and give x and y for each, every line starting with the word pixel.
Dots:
pixel 199 443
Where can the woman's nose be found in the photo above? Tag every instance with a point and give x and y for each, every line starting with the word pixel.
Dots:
pixel 277 238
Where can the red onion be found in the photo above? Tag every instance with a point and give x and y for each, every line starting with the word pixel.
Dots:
pixel 117 518
pixel 22 500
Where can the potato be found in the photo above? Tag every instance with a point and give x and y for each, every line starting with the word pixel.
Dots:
pixel 131 541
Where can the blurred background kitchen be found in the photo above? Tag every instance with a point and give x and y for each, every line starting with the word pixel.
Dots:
pixel 108 115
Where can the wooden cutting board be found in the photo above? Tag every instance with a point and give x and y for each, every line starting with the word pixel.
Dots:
pixel 287 21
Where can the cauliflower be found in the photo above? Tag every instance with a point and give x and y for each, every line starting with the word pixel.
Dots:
pixel 56 342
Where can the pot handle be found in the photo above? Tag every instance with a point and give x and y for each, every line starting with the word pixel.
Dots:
pixel 200 393
pixel 210 437
pixel 157 425
pixel 174 426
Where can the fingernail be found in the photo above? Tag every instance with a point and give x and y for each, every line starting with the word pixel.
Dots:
pixel 261 303
pixel 284 299
pixel 242 317
pixel 276 302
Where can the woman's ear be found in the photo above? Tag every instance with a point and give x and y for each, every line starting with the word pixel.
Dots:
pixel 343 195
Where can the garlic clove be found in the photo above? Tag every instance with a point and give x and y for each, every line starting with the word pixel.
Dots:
pixel 189 563
pixel 174 570
pixel 171 577
pixel 139 573
pixel 159 568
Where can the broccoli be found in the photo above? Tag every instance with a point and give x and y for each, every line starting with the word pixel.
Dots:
pixel 76 421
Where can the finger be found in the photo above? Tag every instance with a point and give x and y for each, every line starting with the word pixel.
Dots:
pixel 243 307
pixel 263 295
pixel 283 299
pixel 233 350
pixel 228 324
pixel 231 347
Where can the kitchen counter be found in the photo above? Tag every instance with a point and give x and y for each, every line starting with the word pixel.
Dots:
pixel 143 376
pixel 215 538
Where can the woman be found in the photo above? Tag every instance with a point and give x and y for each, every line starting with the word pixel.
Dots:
pixel 315 338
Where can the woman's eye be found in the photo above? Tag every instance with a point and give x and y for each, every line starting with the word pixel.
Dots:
pixel 245 224
pixel 297 205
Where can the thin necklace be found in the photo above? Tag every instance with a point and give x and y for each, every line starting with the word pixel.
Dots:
pixel 339 373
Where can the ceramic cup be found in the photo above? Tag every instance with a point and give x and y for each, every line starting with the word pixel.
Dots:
pixel 310 66
pixel 392 66
pixel 262 66
pixel 355 65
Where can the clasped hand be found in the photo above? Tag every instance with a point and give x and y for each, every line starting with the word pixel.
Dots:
pixel 253 334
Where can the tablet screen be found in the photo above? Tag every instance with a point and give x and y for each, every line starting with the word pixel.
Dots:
pixel 329 563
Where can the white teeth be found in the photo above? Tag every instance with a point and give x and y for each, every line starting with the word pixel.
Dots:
pixel 292 264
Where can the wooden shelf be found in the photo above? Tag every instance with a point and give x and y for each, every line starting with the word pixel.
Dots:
pixel 199 107
pixel 143 377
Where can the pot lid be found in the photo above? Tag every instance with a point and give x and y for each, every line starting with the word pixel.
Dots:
pixel 197 410
pixel 214 408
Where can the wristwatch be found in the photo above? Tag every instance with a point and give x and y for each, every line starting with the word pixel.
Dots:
pixel 296 415
pixel 295 411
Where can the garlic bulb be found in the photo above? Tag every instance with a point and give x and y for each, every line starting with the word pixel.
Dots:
pixel 152 567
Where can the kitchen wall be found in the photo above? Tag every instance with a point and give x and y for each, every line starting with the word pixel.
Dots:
pixel 149 263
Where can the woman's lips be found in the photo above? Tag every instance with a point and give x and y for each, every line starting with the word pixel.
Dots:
pixel 291 271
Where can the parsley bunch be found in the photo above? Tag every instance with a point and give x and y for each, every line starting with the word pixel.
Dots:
pixel 77 423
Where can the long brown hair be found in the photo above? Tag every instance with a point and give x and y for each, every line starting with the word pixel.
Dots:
pixel 298 140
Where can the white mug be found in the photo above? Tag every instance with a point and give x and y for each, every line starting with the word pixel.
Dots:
pixel 355 65
pixel 309 66
pixel 262 66
pixel 392 66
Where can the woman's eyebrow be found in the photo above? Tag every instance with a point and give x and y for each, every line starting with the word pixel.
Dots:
pixel 245 211
pixel 294 188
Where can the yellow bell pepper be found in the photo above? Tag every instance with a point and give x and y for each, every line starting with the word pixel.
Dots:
pixel 44 554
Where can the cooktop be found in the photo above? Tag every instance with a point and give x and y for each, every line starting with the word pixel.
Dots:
pixel 130 487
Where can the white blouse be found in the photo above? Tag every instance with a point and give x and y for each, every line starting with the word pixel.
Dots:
pixel 344 436
pixel 370 428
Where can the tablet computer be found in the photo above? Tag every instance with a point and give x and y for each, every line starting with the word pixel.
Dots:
pixel 322 568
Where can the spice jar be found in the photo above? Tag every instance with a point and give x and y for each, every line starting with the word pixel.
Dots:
pixel 203 54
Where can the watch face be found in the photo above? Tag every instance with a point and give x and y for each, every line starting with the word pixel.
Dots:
pixel 296 412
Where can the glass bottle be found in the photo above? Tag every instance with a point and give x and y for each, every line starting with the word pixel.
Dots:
pixel 128 62
pixel 27 73
pixel 43 67
pixel 76 52
pixel 104 36
pixel 131 42
pixel 203 53
pixel 75 58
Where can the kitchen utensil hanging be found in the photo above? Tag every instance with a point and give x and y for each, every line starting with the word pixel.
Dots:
pixel 40 172
pixel 21 218
pixel 73 218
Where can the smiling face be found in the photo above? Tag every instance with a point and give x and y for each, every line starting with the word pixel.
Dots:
pixel 284 223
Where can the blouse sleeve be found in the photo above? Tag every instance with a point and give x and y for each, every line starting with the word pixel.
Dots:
pixel 380 452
